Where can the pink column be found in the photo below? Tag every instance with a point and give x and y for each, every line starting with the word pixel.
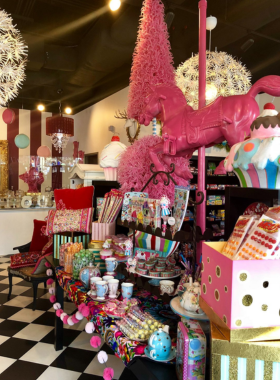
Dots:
pixel 201 211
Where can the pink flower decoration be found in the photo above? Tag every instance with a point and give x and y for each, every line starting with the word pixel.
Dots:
pixel 53 299
pixel 59 312
pixel 95 341
pixel 50 281
pixel 108 373
pixel 134 169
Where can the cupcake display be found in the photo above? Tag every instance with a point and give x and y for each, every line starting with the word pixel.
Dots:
pixel 110 158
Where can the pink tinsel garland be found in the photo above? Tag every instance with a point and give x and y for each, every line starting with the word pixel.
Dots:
pixel 134 169
pixel 152 58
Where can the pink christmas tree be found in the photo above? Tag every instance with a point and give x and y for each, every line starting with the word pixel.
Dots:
pixel 152 59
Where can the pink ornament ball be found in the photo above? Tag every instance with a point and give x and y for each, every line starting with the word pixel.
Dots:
pixel 49 272
pixel 44 151
pixel 89 328
pixel 59 312
pixel 108 373
pixel 95 341
pixel 70 322
pixel 65 320
pixel 79 315
pixel 52 290
pixel 47 264
pixel 8 116
pixel 53 299
pixel 85 311
pixel 81 306
pixel 50 281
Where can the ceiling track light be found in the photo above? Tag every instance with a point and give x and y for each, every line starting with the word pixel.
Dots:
pixel 114 5
pixel 41 107
pixel 68 110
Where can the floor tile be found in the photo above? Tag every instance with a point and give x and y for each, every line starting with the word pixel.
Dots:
pixel 26 315
pixel 5 363
pixel 86 376
pixel 10 328
pixel 42 353
pixel 46 319
pixel 8 311
pixel 96 368
pixel 21 370
pixel 42 286
pixel 5 280
pixel 16 289
pixel 19 301
pixel 59 374
pixel 83 342
pixel 5 260
pixel 24 283
pixel 77 326
pixel 4 265
pixel 14 348
pixel 29 292
pixel 41 304
pixel 69 307
pixel 68 337
pixel 107 349
pixel 45 296
pixel 3 339
pixel 74 359
pixel 33 332
pixel 3 272
pixel 4 298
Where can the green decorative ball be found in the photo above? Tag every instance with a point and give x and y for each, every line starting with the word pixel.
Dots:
pixel 22 141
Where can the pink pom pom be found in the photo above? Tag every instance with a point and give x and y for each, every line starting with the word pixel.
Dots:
pixel 70 322
pixel 53 299
pixel 89 328
pixel 65 319
pixel 108 373
pixel 85 311
pixel 51 290
pixel 47 264
pixel 95 341
pixel 50 281
pixel 49 272
pixel 74 319
pixel 102 357
pixel 56 306
pixel 79 316
pixel 59 312
pixel 81 306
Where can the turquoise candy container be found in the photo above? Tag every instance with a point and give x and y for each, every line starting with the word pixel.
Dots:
pixel 160 344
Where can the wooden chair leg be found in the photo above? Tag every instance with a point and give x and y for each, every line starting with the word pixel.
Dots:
pixel 35 287
pixel 10 285
pixel 45 284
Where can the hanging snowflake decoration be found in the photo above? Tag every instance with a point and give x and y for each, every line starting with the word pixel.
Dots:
pixel 13 58
pixel 224 76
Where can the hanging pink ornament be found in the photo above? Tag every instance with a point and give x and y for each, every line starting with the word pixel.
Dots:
pixel 8 116
pixel 44 151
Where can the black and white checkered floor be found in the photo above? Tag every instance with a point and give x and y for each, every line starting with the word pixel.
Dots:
pixel 27 336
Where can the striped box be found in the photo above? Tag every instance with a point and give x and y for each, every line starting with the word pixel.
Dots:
pixel 155 243
pixel 243 360
pixel 69 237
pixel 98 260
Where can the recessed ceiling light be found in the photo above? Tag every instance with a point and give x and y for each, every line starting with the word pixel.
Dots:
pixel 41 107
pixel 68 110
pixel 114 5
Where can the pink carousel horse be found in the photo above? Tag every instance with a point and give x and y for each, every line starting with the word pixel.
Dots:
pixel 184 129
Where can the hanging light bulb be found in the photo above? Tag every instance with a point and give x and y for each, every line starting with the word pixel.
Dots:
pixel 68 110
pixel 41 107
pixel 114 5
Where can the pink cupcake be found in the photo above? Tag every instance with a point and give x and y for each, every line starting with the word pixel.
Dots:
pixel 110 158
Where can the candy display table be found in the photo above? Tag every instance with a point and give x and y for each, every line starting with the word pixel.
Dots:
pixel 124 348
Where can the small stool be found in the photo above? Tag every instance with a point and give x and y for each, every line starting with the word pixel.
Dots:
pixel 26 275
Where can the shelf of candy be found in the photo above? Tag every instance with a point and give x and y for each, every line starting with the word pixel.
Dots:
pixel 118 309
pixel 138 326
pixel 255 238
pixel 158 267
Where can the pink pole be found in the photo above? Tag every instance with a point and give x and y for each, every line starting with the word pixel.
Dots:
pixel 201 211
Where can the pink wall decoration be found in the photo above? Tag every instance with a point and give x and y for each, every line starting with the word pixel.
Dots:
pixel 33 178
pixel 152 59
pixel 44 151
pixel 134 169
pixel 81 155
pixel 8 116
pixel 184 130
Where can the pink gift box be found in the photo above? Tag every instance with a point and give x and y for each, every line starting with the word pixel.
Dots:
pixel 100 230
pixel 242 293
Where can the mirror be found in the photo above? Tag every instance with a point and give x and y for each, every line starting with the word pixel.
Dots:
pixel 4 167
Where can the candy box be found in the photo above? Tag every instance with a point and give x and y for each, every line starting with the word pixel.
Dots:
pixel 241 293
pixel 191 351
pixel 243 360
